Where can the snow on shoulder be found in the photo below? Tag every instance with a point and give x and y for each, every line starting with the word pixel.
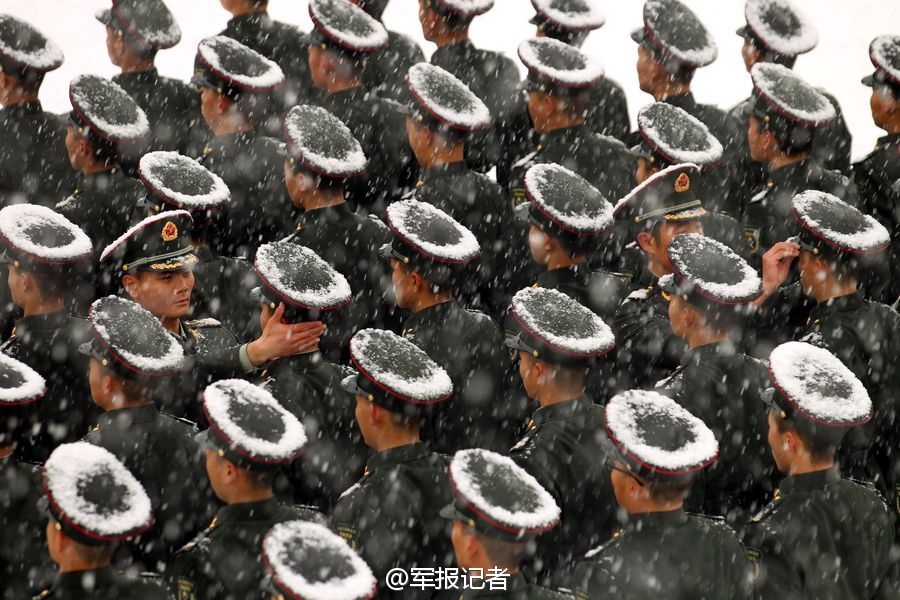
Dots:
pixel 108 109
pixel 299 274
pixel 432 231
pixel 43 234
pixel 447 98
pixel 781 26
pixel 238 63
pixel 798 100
pixel 183 181
pixel 714 269
pixel 559 62
pixel 573 15
pixel 839 224
pixel 561 322
pixel 19 383
pixel 677 135
pixel 569 199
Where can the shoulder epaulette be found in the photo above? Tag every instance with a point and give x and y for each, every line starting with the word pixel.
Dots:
pixel 203 323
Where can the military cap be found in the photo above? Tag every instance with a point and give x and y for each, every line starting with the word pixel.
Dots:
pixel 343 26
pixel 93 498
pixel 554 328
pixel 816 391
pixel 37 239
pixel 19 383
pixel 709 275
pixel 670 136
pixel 778 27
pixel 143 23
pixel 463 10
pixel 667 195
pixel 781 97
pixel 175 181
pixel 442 101
pixel 157 243
pixel 233 69
pixel 428 240
pixel 675 35
pixel 829 226
pixel 321 143
pixel 132 343
pixel 656 438
pixel 567 17
pixel 307 560
pixel 297 276
pixel 884 52
pixel 105 112
pixel 25 52
pixel 395 374
pixel 557 68
pixel 498 498
pixel 248 427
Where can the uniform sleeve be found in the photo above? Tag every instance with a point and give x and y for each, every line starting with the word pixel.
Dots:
pixel 775 574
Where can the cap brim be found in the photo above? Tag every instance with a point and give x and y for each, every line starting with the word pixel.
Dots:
pixel 451 513
pixel 868 81
pixel 768 398
pixel 85 348
pixel 742 31
pixel 178 262
pixel 6 259
pixel 638 35
pixel 536 20
pixel 105 16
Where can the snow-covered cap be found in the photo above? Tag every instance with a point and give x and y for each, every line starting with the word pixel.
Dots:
pixel 779 27
pixel 567 16
pixel 463 10
pixel 498 497
pixel 93 498
pixel 428 240
pixel 143 23
pixel 655 438
pixel 19 383
pixel 102 108
pixel 25 52
pixel 320 142
pixel 442 100
pixel 830 225
pixel 676 35
pixel 297 276
pixel 779 94
pixel 816 391
pixel 395 374
pixel 670 135
pixel 666 196
pixel 132 343
pixel 553 327
pixel 233 69
pixel 555 67
pixel 884 52
pixel 37 239
pixel 307 560
pixel 157 243
pixel 345 27
pixel 248 427
pixel 180 182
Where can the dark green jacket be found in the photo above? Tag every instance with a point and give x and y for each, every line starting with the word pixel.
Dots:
pixel 386 69
pixel 823 537
pixel 608 111
pixel 105 584
pixel 25 565
pixel 222 291
pixel 670 555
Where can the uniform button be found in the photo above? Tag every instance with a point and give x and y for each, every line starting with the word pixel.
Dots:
pixel 770 183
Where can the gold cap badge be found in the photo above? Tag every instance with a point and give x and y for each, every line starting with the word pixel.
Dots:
pixel 169 231
pixel 682 183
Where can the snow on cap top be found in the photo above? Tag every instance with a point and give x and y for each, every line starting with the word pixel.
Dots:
pixel 677 135
pixel 432 232
pixel 714 270
pixel 884 51
pixel 658 433
pixel 307 560
pixel 348 25
pixel 149 21
pixel 43 234
pixel 781 26
pixel 108 109
pixel 819 385
pixel 838 224
pixel 561 322
pixel 235 62
pixel 446 98
pixel 560 63
pixel 676 30
pixel 122 239
pixel 791 96
pixel 299 276
pixel 571 15
pixel 568 199
pixel 94 494
pixel 19 383
pixel 323 143
pixel 182 181
pixel 23 44
pixel 465 8
pixel 247 420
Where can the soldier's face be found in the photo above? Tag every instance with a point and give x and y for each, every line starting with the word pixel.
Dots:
pixel 883 105
pixel 15 281
pixel 778 443
pixel 113 46
pixel 461 540
pixel 74 148
pixel 529 372
pixel 404 284
pixel 167 295
pixel 750 54
pixel 676 316
pixel 648 70
pixel 363 415
pixel 298 183
pixel 759 140
pixel 539 244
pixel 643 170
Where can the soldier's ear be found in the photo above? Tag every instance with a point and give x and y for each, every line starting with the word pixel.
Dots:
pixel 130 283
pixel 646 242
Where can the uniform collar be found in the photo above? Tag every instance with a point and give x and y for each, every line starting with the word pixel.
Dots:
pixel 396 456
pixel 573 273
pixel 136 414
pixel 350 98
pixel 436 313
pixel 841 303
pixel 516 586
pixel 334 212
pixel 566 409
pixel 445 170
pixel 45 322
pixel 239 140
pixel 564 136
pixel 262 510
pixel 101 180
pixel 656 521
pixel 148 76
pixel 700 354
pixel 887 140
pixel 252 20
pixel 684 101
pixel 798 171
pixel 97 579
pixel 809 481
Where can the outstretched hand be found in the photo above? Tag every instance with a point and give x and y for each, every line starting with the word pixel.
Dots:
pixel 280 339
pixel 776 267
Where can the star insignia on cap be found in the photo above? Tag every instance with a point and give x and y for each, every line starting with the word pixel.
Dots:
pixel 682 183
pixel 169 231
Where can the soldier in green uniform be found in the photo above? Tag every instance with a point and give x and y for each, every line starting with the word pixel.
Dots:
pixel 431 256
pixel 498 511
pixel 33 163
pixel 712 290
pixel 44 253
pixel 250 437
pixel 654 449
pixel 390 516
pixel 821 536
pixel 93 503
pixel 557 339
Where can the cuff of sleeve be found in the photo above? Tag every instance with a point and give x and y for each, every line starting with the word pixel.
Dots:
pixel 245 359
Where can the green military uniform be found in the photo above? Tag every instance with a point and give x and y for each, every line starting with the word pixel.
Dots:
pixel 107 584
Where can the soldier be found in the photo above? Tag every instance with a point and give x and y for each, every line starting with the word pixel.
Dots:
pixel 249 438
pixel 135 31
pixel 821 536
pixel 712 290
pixel 235 84
pixel 431 255
pixel 131 355
pixel 557 339
pixel 654 449
pixel 93 502
pixel 33 163
pixel 391 515
pixel 498 511
pixel 44 253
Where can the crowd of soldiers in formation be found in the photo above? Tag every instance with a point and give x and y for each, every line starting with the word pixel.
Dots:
pixel 330 310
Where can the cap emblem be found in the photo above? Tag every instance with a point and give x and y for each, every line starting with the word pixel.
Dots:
pixel 682 183
pixel 169 231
